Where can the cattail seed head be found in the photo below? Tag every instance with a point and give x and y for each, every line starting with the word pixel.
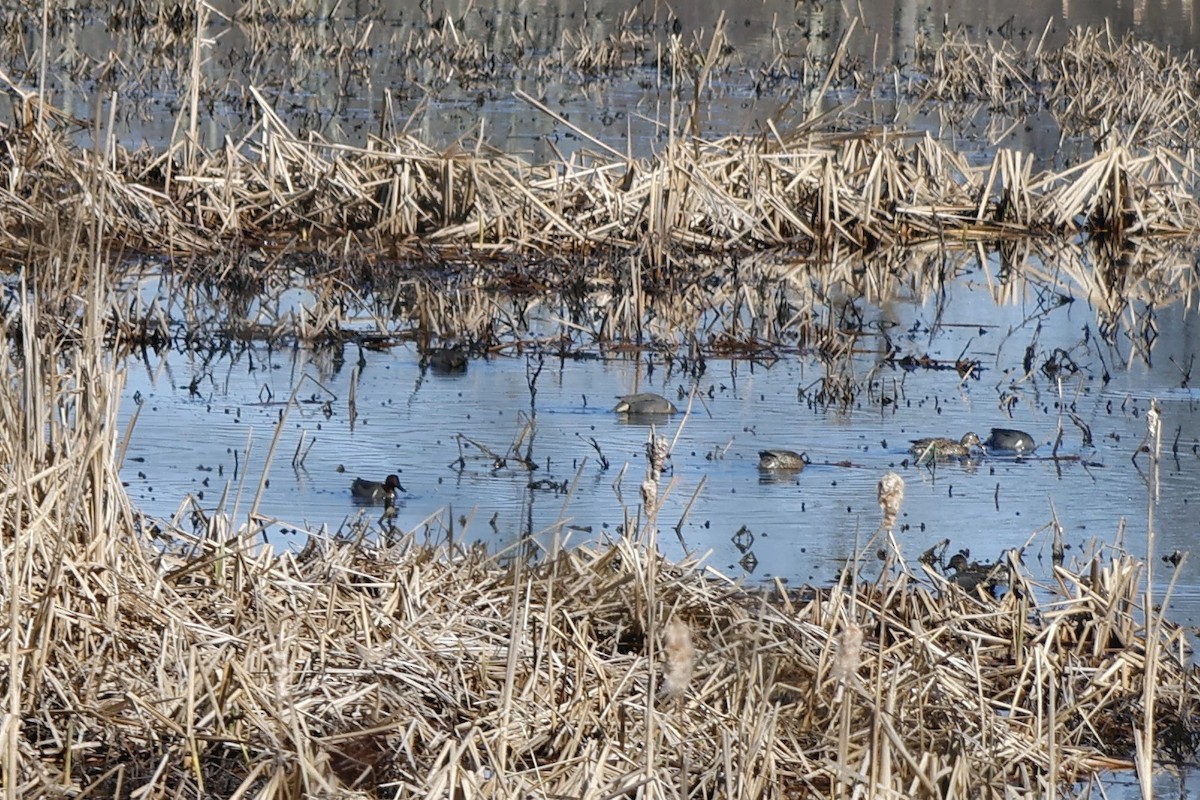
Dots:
pixel 849 652
pixel 657 452
pixel 650 494
pixel 891 497
pixel 681 658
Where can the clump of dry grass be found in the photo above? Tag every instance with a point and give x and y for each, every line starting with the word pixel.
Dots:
pixel 1095 85
pixel 401 671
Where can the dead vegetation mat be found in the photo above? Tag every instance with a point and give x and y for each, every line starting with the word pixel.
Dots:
pixel 815 186
pixel 363 669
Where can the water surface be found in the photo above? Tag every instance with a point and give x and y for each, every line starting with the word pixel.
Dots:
pixel 441 432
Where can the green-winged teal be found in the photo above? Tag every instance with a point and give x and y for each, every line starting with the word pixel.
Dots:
pixel 940 447
pixel 782 460
pixel 1010 440
pixel 644 403
pixel 374 491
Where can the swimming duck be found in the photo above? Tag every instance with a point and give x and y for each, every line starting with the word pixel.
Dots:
pixel 445 360
pixel 1010 440
pixel 644 403
pixel 939 447
pixel 784 460
pixel 375 491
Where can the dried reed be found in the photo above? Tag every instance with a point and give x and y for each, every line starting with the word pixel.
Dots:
pixel 858 190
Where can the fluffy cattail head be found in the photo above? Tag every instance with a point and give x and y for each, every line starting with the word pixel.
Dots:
pixel 650 495
pixel 657 451
pixel 681 658
pixel 891 497
pixel 849 652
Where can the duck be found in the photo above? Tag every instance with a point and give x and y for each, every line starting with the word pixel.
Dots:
pixel 644 403
pixel 970 575
pixel 939 447
pixel 783 460
pixel 1010 440
pixel 375 491
pixel 446 360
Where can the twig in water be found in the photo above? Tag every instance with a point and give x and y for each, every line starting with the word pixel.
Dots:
pixel 498 461
pixel 525 435
pixel 596 446
pixel 687 509
pixel 301 451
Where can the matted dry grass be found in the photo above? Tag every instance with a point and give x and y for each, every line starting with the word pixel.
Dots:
pixel 788 190
pixel 400 671
pixel 732 195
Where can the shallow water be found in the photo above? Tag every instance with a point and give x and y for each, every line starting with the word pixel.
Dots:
pixel 804 526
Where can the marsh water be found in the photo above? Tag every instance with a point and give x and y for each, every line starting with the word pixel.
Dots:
pixel 206 424
pixel 342 68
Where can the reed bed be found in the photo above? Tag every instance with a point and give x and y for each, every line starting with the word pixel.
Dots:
pixel 1112 89
pixel 364 669
pixel 734 195
pixel 802 189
